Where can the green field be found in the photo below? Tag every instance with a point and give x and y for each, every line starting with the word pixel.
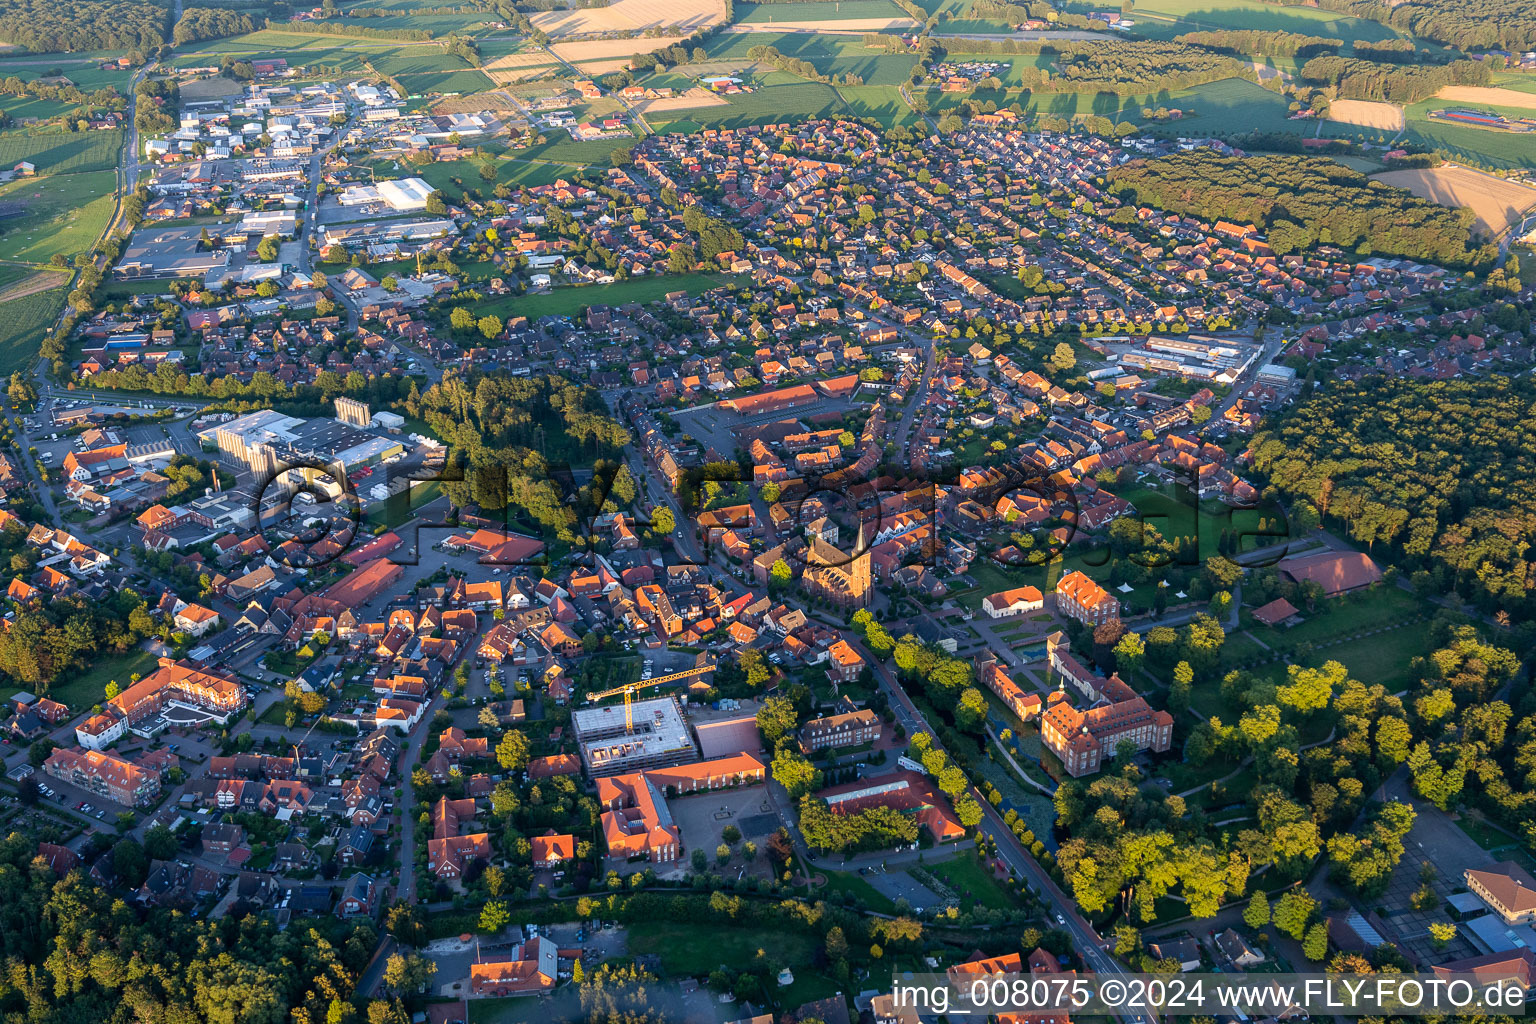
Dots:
pixel 22 107
pixel 728 46
pixel 881 69
pixel 696 948
pixel 782 97
pixel 842 10
pixel 59 152
pixel 63 214
pixel 1501 149
pixel 22 328
pixel 1163 19
pixel 847 881
pixel 512 171
pixel 973 881
pixel 304 49
pixel 90 687
pixel 569 300
pixel 469 80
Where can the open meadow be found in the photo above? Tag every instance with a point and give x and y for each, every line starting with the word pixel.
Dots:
pixel 1498 203
pixel 1164 19
pixel 59 214
pixel 54 151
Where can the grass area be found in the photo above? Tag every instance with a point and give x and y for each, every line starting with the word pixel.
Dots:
pixel 1368 609
pixel 969 877
pixel 60 214
pixel 308 49
pixel 1501 149
pixel 847 881
pixel 54 151
pixel 419 63
pixel 1163 19
pixel 881 69
pixel 21 107
pixel 22 328
pixel 781 97
pixel 90 687
pixel 507 1011
pixel 696 948
pixel 560 148
pixel 1381 658
pixel 469 80
pixel 843 10
pixel 881 102
pixel 117 291
pixel 570 300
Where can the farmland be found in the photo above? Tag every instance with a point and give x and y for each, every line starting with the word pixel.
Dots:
pixel 1483 96
pixel 22 327
pixel 59 152
pixel 829 14
pixel 1497 203
pixel 1164 19
pixel 684 16
pixel 62 214
pixel 1367 114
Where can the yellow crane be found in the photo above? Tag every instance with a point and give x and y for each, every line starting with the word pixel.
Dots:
pixel 630 689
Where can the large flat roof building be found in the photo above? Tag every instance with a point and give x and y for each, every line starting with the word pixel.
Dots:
pixel 658 738
pixel 168 252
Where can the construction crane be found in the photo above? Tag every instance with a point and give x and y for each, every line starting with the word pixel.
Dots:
pixel 630 689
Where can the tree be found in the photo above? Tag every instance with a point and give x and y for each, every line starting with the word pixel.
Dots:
pixel 436 205
pixel 796 774
pixel 776 717
pixel 1256 914
pixel 779 574
pixel 1310 689
pixel 1315 945
pixel 159 843
pixel 662 522
pixel 409 972
pixel 266 249
pixel 512 751
pixel 494 917
pixel 1129 652
pixel 1062 357
pixel 461 319
pixel 971 711
pixel 1441 933
pixel 1293 912
pixel 490 326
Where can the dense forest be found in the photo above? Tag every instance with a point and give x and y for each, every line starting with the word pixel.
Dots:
pixel 1466 24
pixel 511 433
pixel 1396 83
pixel 1302 201
pixel 1124 66
pixel 199 23
pixel 1439 476
pixel 1255 41
pixel 47 26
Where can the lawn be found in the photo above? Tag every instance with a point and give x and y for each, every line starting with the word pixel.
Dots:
pixel 90 687
pixel 571 300
pixel 55 151
pixel 847 881
pixel 511 1010
pixel 696 948
pixel 62 214
pixel 1380 658
pixel 22 328
pixel 1368 609
pixel 969 877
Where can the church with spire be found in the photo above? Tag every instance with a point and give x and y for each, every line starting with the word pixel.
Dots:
pixel 843 578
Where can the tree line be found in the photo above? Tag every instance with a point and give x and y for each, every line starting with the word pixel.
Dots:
pixel 1277 43
pixel 1465 24
pixel 1303 201
pixel 1357 79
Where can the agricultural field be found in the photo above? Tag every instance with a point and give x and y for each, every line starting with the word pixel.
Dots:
pixel 437 24
pixel 683 16
pixel 1164 19
pixel 308 49
pixel 875 70
pixel 881 102
pixel 1498 203
pixel 468 80
pixel 22 328
pixel 1497 96
pixel 57 214
pixel 58 152
pixel 1367 114
pixel 781 97
pixel 424 62
pixel 829 13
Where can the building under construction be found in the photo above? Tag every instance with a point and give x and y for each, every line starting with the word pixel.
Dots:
pixel 615 738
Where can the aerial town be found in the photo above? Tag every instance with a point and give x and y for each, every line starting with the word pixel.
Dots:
pixel 711 511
